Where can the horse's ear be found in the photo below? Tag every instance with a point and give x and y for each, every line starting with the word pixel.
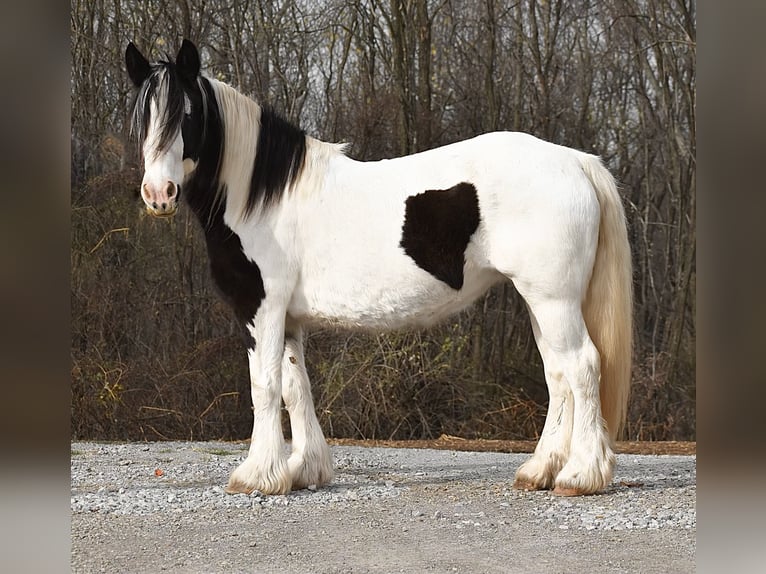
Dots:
pixel 138 66
pixel 187 61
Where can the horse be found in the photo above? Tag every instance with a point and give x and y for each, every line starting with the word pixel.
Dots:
pixel 300 234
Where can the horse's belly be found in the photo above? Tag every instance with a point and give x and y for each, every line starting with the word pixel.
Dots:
pixel 390 303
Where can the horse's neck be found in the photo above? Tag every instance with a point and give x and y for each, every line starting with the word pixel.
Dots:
pixel 240 117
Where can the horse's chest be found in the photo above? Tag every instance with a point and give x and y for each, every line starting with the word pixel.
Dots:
pixel 237 278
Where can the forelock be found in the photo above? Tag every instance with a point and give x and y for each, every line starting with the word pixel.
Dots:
pixel 164 89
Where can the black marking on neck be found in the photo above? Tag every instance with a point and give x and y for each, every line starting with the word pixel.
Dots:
pixel 279 159
pixel 438 224
pixel 203 186
pixel 237 278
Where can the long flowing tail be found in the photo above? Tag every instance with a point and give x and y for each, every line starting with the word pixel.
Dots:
pixel 608 308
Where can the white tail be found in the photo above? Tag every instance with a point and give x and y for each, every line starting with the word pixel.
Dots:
pixel 608 308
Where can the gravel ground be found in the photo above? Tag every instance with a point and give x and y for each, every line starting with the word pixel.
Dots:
pixel 148 507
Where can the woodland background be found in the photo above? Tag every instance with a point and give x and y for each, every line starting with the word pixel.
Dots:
pixel 155 354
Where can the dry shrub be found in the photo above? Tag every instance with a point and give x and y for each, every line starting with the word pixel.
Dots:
pixel 204 394
pixel 411 385
pixel 662 401
pixel 155 353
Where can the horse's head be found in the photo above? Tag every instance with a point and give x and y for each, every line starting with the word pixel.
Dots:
pixel 168 121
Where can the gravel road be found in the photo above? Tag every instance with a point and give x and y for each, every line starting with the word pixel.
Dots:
pixel 150 507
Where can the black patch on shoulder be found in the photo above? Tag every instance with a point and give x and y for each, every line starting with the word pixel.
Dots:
pixel 238 279
pixel 438 224
pixel 279 159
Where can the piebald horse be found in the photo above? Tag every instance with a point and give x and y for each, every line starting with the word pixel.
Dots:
pixel 299 234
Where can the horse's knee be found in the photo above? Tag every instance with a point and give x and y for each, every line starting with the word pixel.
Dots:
pixel 582 372
pixel 295 384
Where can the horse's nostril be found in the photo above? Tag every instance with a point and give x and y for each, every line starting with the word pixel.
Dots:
pixel 164 206
pixel 154 204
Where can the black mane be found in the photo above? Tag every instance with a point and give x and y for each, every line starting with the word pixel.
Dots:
pixel 279 159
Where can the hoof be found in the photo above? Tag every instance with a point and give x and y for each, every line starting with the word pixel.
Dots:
pixel 237 487
pixel 313 469
pixel 526 484
pixel 564 491
pixel 253 475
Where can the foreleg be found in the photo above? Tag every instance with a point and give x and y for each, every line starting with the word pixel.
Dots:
pixel 265 468
pixel 311 461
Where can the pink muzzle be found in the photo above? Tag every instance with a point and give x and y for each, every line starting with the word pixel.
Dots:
pixel 160 202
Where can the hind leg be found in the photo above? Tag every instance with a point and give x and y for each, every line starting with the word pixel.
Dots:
pixel 572 366
pixel 552 450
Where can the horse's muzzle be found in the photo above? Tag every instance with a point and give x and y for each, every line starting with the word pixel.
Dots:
pixel 161 202
pixel 164 210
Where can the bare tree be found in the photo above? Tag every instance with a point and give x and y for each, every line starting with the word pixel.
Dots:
pixel 616 78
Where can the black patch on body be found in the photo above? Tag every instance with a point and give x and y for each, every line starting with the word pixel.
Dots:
pixel 438 224
pixel 237 278
pixel 279 159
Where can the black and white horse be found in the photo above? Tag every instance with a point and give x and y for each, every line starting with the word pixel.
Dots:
pixel 299 234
